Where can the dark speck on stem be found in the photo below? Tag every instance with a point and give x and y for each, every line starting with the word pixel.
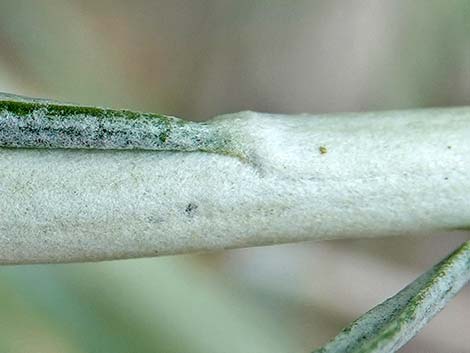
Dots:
pixel 190 209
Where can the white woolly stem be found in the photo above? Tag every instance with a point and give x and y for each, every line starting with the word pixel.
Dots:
pixel 285 179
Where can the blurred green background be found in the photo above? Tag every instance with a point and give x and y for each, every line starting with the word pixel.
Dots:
pixel 197 59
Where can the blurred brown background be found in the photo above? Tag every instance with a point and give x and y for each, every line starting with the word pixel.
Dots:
pixel 197 59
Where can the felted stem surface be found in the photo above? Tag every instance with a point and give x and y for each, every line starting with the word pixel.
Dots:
pixel 87 184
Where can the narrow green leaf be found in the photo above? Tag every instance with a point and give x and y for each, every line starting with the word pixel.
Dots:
pixel 40 123
pixel 388 326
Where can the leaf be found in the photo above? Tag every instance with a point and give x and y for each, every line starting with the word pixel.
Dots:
pixel 39 123
pixel 388 326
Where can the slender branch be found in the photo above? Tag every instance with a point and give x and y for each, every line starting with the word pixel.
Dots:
pixel 388 326
pixel 86 184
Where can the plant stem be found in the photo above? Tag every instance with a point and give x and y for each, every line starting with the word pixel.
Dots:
pixel 239 180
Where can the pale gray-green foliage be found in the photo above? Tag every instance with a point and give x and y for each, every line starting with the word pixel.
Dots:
pixel 39 123
pixel 86 184
pixel 388 326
